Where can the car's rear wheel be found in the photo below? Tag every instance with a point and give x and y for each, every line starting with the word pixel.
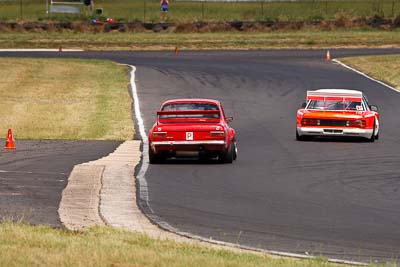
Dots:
pixel 373 137
pixel 154 158
pixel 227 157
pixel 300 137
pixel 235 149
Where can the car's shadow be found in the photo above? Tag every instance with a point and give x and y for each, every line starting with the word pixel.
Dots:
pixel 339 139
pixel 190 161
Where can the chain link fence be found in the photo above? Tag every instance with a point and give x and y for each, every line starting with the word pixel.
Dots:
pixel 207 10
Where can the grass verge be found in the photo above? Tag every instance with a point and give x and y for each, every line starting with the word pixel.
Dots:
pixel 24 245
pixel 384 68
pixel 65 99
pixel 220 40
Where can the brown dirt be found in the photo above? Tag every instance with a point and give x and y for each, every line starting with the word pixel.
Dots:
pixel 341 21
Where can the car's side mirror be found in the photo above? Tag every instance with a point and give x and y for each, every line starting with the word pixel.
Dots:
pixel 303 105
pixel 373 108
pixel 229 119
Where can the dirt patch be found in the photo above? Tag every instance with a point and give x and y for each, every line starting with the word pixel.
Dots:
pixel 341 21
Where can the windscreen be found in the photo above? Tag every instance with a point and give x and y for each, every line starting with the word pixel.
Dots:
pixel 190 106
pixel 335 105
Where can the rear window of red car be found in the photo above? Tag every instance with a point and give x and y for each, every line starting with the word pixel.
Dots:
pixel 189 106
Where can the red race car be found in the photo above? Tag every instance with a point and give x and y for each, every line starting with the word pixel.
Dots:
pixel 337 112
pixel 192 128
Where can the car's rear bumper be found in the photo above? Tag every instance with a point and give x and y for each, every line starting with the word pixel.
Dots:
pixel 201 146
pixel 326 131
pixel 185 143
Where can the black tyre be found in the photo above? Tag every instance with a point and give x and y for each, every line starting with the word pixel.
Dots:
pixel 299 138
pixel 235 149
pixel 227 157
pixel 154 158
pixel 372 138
pixel 377 136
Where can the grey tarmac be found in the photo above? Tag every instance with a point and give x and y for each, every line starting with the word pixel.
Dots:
pixel 33 176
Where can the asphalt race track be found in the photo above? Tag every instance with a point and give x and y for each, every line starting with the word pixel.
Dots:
pixel 33 176
pixel 338 198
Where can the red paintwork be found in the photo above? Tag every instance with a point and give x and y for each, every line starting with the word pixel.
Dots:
pixel 370 117
pixel 176 129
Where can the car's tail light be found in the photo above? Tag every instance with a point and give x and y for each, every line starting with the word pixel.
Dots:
pixel 310 122
pixel 356 123
pixel 217 133
pixel 160 134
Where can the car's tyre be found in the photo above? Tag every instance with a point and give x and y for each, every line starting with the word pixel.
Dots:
pixel 235 149
pixel 227 157
pixel 154 158
pixel 373 137
pixel 299 137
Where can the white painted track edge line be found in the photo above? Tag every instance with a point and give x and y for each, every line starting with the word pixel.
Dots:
pixel 40 50
pixel 167 227
pixel 143 194
pixel 143 188
pixel 365 75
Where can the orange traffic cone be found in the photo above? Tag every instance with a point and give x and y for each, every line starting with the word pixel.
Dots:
pixel 176 51
pixel 10 140
pixel 328 56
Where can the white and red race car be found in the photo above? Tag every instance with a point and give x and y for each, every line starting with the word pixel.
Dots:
pixel 337 112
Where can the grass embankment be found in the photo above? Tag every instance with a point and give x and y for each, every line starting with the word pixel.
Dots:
pixel 385 68
pixel 23 245
pixel 65 99
pixel 232 40
pixel 181 11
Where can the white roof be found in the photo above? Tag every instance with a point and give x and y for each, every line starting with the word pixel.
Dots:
pixel 340 91
pixel 335 92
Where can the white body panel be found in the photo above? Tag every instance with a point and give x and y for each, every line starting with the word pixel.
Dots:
pixel 326 131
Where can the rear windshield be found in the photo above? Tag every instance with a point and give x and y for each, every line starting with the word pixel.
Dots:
pixel 190 106
pixel 335 105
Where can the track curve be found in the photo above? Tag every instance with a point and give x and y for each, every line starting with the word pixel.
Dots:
pixel 338 199
pixel 335 198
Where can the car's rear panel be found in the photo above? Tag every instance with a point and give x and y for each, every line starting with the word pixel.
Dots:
pixel 334 119
pixel 333 123
pixel 176 135
pixel 175 139
pixel 336 112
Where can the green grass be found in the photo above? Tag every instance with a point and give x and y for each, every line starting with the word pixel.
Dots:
pixel 224 40
pixel 24 245
pixel 65 99
pixel 385 68
pixel 148 10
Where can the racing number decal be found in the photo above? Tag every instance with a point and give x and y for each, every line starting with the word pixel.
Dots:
pixel 189 136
